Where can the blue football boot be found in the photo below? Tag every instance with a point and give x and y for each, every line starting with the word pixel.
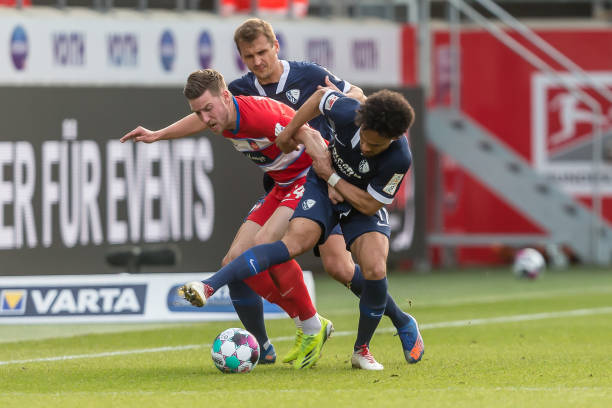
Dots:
pixel 412 342
pixel 268 356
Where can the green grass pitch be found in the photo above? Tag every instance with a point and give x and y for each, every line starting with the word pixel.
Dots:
pixel 490 341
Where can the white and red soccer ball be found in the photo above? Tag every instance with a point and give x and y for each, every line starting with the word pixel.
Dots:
pixel 235 351
pixel 528 263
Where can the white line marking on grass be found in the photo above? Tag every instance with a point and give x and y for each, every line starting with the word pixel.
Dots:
pixel 106 354
pixel 426 326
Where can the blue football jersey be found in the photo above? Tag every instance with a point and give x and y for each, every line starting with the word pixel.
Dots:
pixel 380 175
pixel 297 83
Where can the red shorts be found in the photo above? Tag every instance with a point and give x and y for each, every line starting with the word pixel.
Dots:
pixel 288 196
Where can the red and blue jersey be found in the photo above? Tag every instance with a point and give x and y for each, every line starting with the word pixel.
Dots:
pixel 258 121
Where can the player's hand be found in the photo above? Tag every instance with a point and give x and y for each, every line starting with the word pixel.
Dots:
pixel 286 142
pixel 140 134
pixel 329 85
pixel 334 196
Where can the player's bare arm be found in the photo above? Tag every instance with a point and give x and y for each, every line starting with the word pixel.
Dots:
pixel 316 146
pixel 308 111
pixel 360 199
pixel 354 91
pixel 186 126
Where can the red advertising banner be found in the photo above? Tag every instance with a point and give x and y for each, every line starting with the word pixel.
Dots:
pixel 530 112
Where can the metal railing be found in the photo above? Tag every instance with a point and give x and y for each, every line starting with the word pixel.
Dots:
pixel 462 7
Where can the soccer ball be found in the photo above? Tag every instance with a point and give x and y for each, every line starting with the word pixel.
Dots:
pixel 528 263
pixel 235 351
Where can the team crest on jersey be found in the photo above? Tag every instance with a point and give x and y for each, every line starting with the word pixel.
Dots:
pixel 329 102
pixel 278 128
pixel 364 167
pixel 308 204
pixel 253 145
pixel 393 183
pixel 293 95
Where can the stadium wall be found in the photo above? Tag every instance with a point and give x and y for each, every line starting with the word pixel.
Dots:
pixel 532 113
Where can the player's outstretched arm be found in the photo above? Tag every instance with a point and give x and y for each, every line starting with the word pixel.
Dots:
pixel 308 111
pixel 186 126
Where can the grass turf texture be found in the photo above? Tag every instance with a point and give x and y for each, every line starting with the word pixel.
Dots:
pixel 549 362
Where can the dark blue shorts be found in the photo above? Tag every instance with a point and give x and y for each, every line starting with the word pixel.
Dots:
pixel 315 205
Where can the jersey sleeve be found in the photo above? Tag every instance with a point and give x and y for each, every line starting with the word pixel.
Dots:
pixel 389 177
pixel 338 108
pixel 322 72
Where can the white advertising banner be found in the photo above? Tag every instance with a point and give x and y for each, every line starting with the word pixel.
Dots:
pixel 114 298
pixel 82 47
pixel 564 138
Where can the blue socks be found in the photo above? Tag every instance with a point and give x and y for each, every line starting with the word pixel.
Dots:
pixel 251 262
pixel 397 316
pixel 371 308
pixel 249 308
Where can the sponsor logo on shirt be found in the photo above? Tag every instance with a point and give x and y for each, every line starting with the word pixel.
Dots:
pixel 253 145
pixel 329 102
pixel 393 183
pixel 342 166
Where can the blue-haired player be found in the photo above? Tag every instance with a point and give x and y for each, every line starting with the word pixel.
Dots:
pixel 350 183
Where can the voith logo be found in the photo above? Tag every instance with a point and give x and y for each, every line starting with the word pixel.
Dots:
pixel 13 301
pixel 365 54
pixel 19 48
pixel 564 132
pixel 320 51
pixel 167 50
pixel 205 50
pixel 69 49
pixel 122 49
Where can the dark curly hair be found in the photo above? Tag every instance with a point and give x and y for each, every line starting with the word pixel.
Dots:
pixel 386 112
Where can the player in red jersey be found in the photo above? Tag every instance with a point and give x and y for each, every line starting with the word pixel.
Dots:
pixel 251 123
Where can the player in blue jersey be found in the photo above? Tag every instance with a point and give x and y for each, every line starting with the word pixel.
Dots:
pixel 365 165
pixel 292 83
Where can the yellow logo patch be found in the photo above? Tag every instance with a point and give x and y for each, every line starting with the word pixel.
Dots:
pixel 13 301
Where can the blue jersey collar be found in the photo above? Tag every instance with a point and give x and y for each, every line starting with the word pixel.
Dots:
pixel 235 131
